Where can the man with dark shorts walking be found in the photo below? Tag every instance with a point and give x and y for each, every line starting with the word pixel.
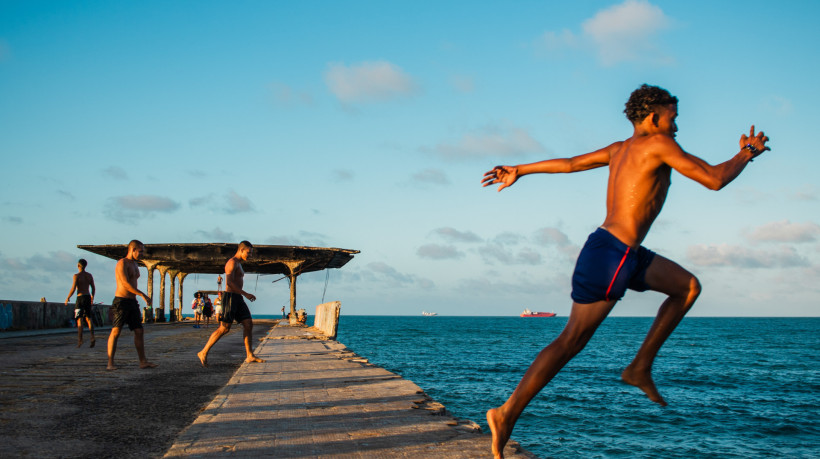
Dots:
pixel 83 281
pixel 125 306
pixel 233 305
pixel 613 259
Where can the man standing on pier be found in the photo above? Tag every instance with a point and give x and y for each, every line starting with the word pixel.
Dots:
pixel 82 310
pixel 234 307
pixel 125 306
pixel 613 259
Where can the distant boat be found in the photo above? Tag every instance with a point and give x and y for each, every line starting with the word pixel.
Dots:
pixel 428 314
pixel 528 313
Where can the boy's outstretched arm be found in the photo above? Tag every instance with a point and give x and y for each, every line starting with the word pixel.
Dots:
pixel 507 175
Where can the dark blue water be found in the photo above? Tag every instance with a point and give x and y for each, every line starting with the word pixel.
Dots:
pixel 736 387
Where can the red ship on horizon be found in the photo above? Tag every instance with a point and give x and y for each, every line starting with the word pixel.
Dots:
pixel 528 313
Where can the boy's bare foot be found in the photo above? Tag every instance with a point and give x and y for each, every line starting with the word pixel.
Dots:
pixel 111 367
pixel 501 433
pixel 254 359
pixel 203 358
pixel 145 365
pixel 93 342
pixel 643 381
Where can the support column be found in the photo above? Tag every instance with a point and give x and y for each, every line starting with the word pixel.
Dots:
pixel 293 266
pixel 160 311
pixel 172 311
pixel 148 311
pixel 180 279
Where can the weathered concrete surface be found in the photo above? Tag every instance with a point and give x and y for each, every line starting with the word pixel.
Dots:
pixel 59 401
pixel 326 319
pixel 315 398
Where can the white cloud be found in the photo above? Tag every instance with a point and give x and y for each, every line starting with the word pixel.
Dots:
pixel 13 219
pixel 439 252
pixel 230 202
pixel 489 142
pixel 627 32
pixel 369 82
pixel 785 231
pixel 743 257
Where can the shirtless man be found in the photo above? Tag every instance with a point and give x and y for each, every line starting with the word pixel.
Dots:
pixel 233 305
pixel 125 306
pixel 613 259
pixel 82 310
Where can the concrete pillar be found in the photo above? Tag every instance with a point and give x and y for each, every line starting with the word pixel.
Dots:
pixel 293 266
pixel 148 312
pixel 180 279
pixel 160 311
pixel 172 313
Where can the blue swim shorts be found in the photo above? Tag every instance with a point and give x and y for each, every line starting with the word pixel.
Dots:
pixel 606 267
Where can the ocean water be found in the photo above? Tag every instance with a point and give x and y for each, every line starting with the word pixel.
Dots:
pixel 736 387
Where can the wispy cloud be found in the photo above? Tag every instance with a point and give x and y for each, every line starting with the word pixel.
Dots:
pixel 453 235
pixel 218 235
pixel 431 177
pixel 785 231
pixel 230 203
pixel 439 252
pixel 488 142
pixel 237 204
pixel 462 83
pixel 744 257
pixel 496 253
pixel 13 219
pixel 115 172
pixel 286 96
pixel 342 175
pixel 302 238
pixel 130 208
pixel 56 261
pixel 627 32
pixel 369 82
pixel 385 274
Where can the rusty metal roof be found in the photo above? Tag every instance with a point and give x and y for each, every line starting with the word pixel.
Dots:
pixel 211 258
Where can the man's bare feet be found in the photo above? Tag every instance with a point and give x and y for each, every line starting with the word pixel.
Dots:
pixel 111 367
pixel 254 359
pixel 79 342
pixel 501 433
pixel 146 364
pixel 203 358
pixel 93 342
pixel 643 381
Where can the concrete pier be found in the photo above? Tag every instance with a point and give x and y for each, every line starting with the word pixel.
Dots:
pixel 315 398
pixel 312 398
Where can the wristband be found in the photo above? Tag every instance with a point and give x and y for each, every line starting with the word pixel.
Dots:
pixel 753 150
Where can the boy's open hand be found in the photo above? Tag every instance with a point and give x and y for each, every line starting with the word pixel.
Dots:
pixel 758 141
pixel 505 175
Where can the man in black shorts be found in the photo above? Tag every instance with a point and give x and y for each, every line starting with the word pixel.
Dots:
pixel 82 310
pixel 125 306
pixel 233 305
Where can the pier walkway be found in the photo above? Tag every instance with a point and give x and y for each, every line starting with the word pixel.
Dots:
pixel 315 398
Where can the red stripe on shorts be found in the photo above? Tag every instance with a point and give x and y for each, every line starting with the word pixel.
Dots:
pixel 616 273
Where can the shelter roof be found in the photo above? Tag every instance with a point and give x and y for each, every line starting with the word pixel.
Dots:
pixel 210 258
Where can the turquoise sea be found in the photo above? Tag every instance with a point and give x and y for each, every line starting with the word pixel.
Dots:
pixel 736 387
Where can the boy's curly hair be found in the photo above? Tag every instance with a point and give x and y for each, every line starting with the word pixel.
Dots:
pixel 643 100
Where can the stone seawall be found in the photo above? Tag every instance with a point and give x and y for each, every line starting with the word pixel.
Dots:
pixel 35 315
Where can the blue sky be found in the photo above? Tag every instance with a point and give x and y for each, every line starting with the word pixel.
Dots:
pixel 368 126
